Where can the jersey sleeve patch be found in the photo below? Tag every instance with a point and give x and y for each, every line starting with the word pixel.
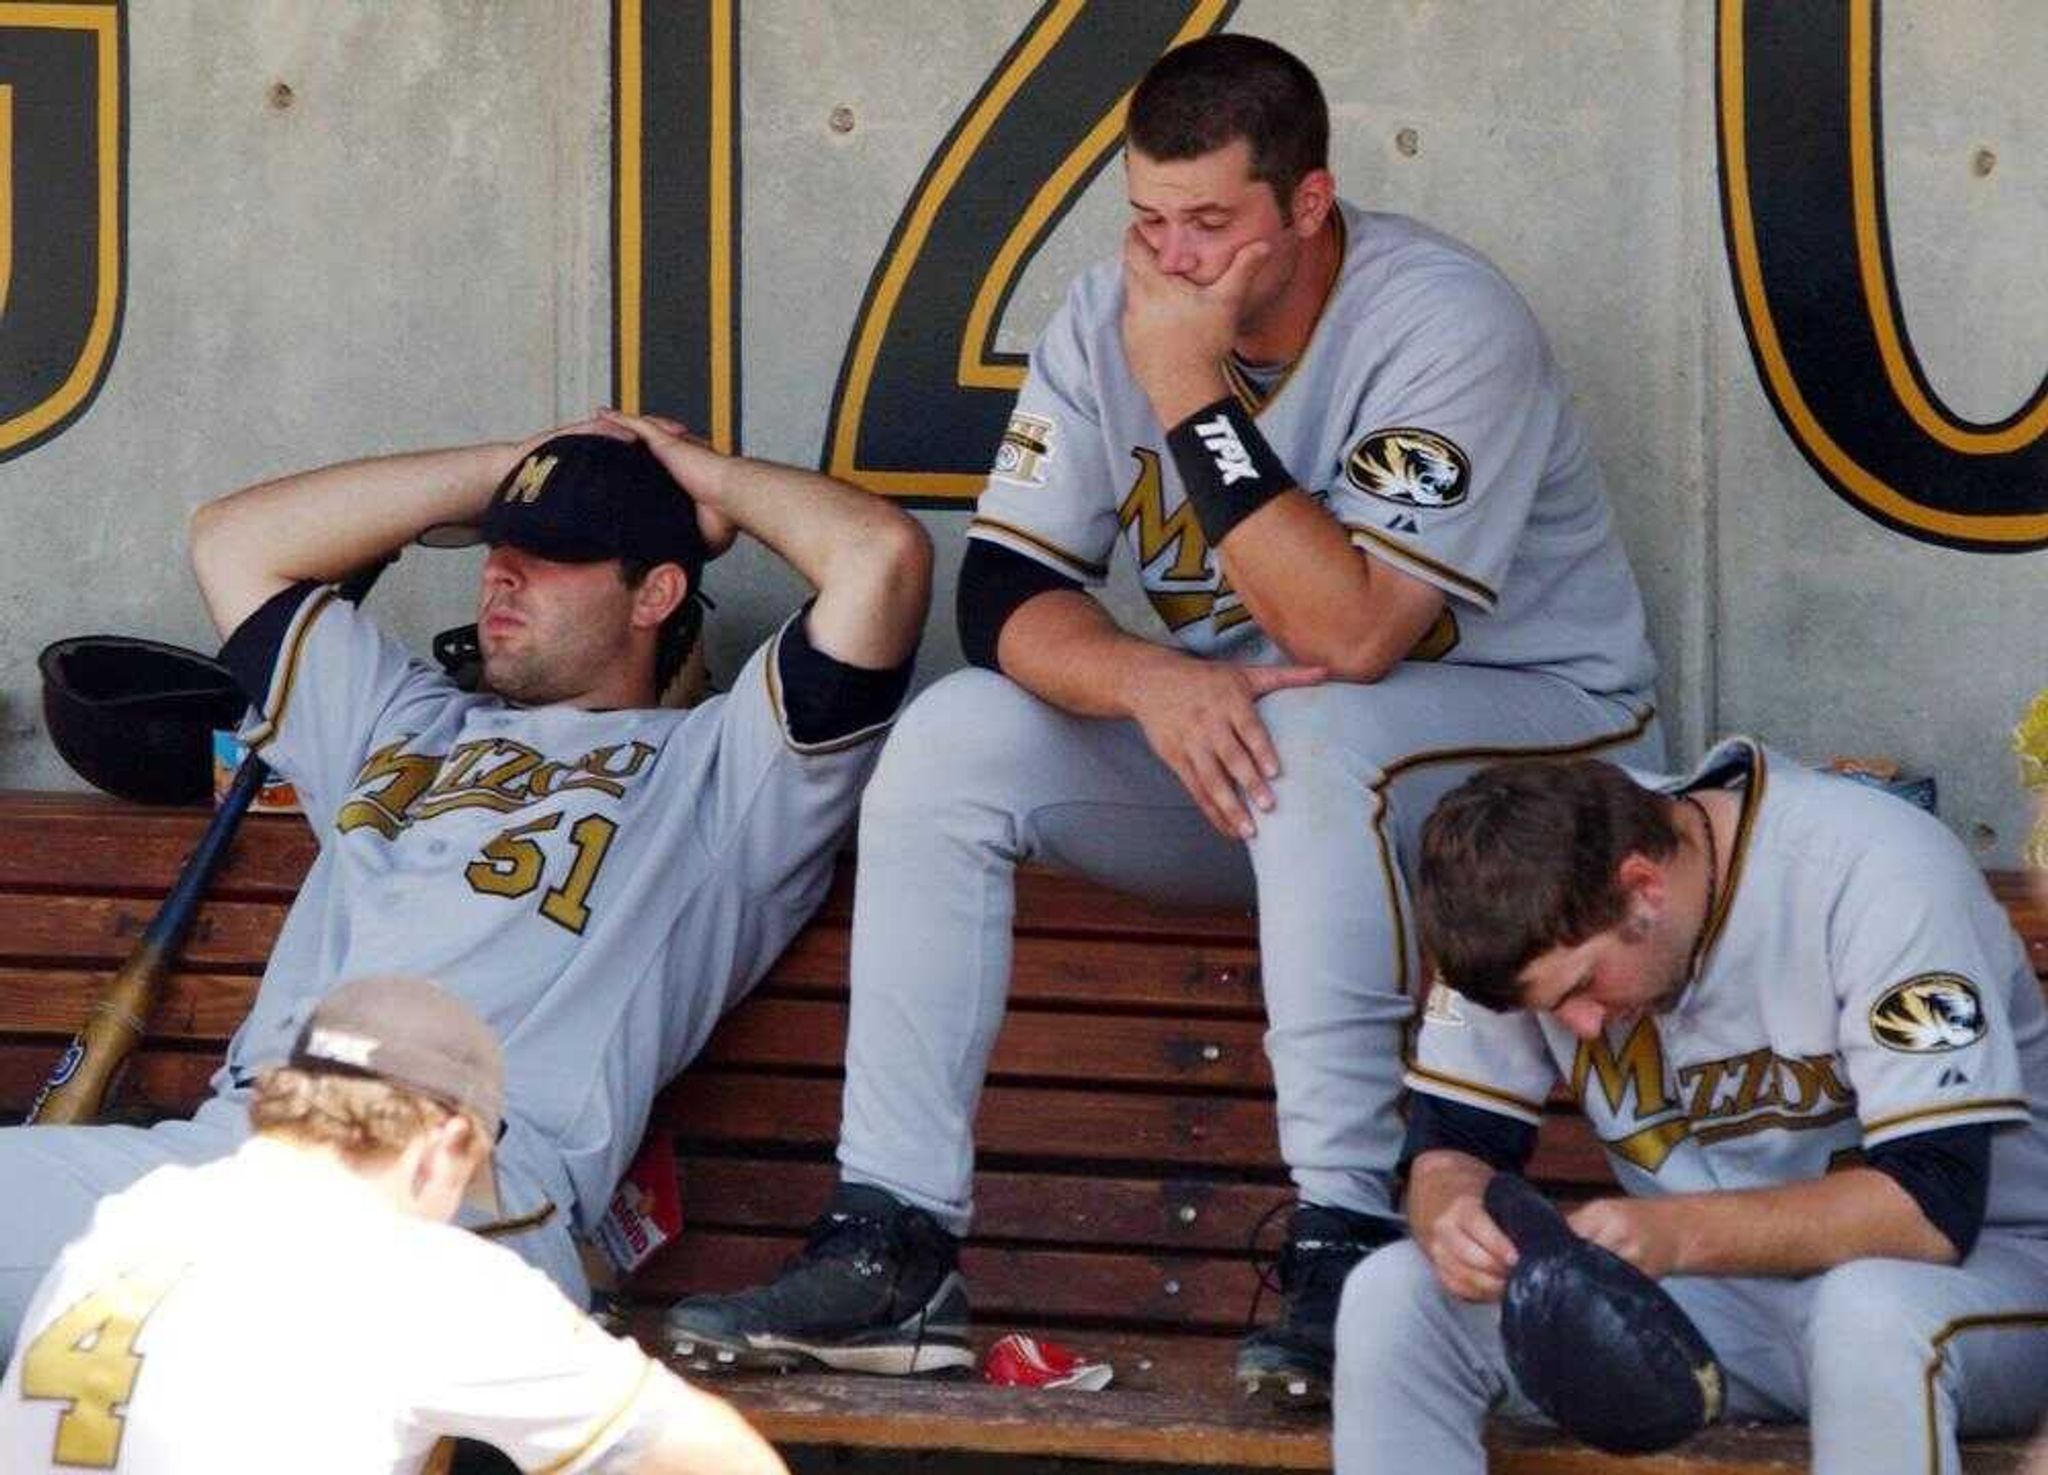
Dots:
pixel 1928 1014
pixel 1411 467
pixel 1024 455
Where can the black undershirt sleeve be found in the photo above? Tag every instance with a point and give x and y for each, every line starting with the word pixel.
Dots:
pixel 824 697
pixel 250 653
pixel 994 582
pixel 1948 1173
pixel 1435 1123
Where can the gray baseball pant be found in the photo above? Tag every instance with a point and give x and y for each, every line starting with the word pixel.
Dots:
pixel 1889 1360
pixel 980 776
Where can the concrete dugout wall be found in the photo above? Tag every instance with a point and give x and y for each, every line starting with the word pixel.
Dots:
pixel 358 228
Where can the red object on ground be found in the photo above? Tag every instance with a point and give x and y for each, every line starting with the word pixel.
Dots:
pixel 1018 1361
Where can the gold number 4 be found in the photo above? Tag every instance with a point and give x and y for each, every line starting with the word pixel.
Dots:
pixel 87 1358
pixel 513 863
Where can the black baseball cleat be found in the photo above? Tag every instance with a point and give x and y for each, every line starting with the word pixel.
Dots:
pixel 876 1289
pixel 1288 1363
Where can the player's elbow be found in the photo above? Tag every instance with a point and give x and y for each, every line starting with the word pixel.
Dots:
pixel 1361 655
pixel 888 569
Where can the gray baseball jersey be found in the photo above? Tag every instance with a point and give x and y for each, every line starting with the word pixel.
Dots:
pixel 160 1342
pixel 599 885
pixel 1859 984
pixel 1425 413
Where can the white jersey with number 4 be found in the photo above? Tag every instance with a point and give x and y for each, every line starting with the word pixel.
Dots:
pixel 271 1312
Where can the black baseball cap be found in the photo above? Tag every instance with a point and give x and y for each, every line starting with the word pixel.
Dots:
pixel 584 499
pixel 413 1033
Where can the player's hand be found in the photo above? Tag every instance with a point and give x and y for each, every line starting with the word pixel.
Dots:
pixel 1176 333
pixel 690 459
pixel 1470 1254
pixel 1201 718
pixel 1644 1232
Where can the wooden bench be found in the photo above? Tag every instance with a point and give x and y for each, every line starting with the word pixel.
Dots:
pixel 1126 1141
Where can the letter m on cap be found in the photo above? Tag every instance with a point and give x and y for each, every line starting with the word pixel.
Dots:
pixel 63 83
pixel 533 475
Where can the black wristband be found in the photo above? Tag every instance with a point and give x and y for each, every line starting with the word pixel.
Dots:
pixel 1226 466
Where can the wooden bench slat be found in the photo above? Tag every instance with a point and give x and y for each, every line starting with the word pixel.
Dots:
pixel 89 843
pixel 1040 1283
pixel 1046 1045
pixel 194 1008
pixel 1105 972
pixel 1084 1208
pixel 1184 1130
pixel 103 929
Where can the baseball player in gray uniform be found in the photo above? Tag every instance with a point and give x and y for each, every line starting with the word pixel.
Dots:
pixel 1816 1054
pixel 599 878
pixel 1348 472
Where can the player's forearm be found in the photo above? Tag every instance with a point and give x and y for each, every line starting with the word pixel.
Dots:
pixel 322 524
pixel 1436 1180
pixel 869 561
pixel 1319 599
pixel 1794 1228
pixel 1063 646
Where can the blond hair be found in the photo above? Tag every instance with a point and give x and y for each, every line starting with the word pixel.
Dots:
pixel 365 1119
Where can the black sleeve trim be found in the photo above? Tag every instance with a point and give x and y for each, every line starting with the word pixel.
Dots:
pixel 994 583
pixel 251 652
pixel 1435 1122
pixel 1226 466
pixel 824 698
pixel 1948 1173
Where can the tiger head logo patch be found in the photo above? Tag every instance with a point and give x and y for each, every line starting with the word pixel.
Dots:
pixel 1928 1014
pixel 1417 468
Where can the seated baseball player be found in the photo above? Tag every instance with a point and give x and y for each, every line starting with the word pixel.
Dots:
pixel 598 877
pixel 1350 478
pixel 302 1303
pixel 1817 1056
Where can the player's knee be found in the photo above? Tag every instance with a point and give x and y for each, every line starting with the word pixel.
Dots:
pixel 1873 1307
pixel 968 733
pixel 1385 1309
pixel 1336 732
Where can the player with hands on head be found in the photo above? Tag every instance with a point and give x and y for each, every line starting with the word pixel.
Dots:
pixel 1817 1056
pixel 1360 503
pixel 599 877
pixel 155 1344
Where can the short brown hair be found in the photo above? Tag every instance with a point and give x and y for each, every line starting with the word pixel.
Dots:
pixel 1522 858
pixel 366 1120
pixel 1213 91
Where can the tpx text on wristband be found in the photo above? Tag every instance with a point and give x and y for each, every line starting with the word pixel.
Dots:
pixel 1225 464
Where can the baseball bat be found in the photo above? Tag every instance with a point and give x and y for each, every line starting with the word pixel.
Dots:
pixel 92 1064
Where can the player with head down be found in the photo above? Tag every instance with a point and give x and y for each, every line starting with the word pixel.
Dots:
pixel 301 1304
pixel 598 877
pixel 1351 480
pixel 1817 1056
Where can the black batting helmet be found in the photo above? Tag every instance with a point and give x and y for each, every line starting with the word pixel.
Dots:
pixel 136 717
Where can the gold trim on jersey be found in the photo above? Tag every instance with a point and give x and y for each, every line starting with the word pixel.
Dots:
pixel 1519 1106
pixel 286 671
pixel 2014 1107
pixel 1371 539
pixel 771 671
pixel 1738 850
pixel 1769 1121
pixel 1242 384
pixel 1989 1321
pixel 606 1424
pixel 1081 566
